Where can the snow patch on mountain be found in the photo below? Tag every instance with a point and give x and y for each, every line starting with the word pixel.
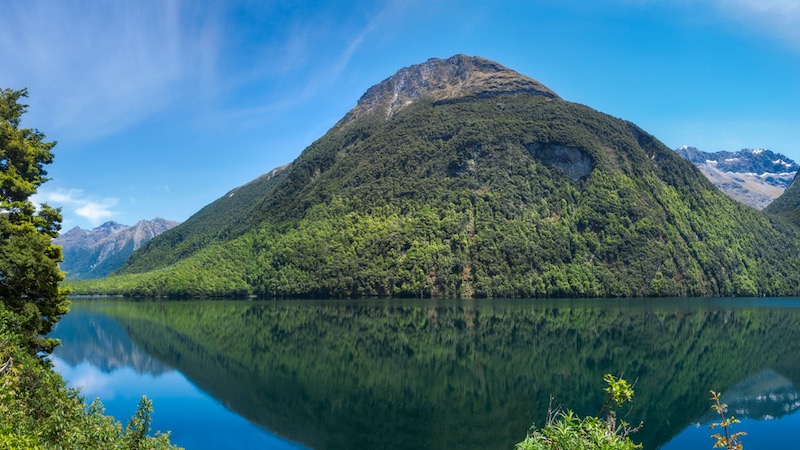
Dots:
pixel 754 177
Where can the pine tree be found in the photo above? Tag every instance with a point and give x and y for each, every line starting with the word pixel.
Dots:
pixel 29 272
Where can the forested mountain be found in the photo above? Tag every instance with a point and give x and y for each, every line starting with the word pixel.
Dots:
pixel 787 206
pixel 96 253
pixel 755 177
pixel 460 177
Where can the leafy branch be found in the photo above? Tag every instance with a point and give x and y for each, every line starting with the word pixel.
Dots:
pixel 727 441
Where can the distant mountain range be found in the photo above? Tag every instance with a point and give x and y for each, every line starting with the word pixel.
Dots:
pixel 95 253
pixel 755 177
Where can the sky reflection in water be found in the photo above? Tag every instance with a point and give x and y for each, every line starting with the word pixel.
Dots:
pixel 761 434
pixel 195 419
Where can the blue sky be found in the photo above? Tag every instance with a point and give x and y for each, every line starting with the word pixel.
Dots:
pixel 161 107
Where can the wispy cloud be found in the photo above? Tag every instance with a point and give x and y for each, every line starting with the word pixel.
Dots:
pixel 294 54
pixel 75 200
pixel 94 68
pixel 778 18
pixel 96 212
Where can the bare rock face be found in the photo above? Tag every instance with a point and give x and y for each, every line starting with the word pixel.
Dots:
pixel 574 162
pixel 755 177
pixel 444 79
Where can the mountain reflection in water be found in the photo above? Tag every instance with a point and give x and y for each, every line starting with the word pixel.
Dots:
pixel 451 374
pixel 98 356
pixel 101 342
pixel 766 403
pixel 764 396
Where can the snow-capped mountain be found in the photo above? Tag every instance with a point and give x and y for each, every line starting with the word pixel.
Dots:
pixel 754 177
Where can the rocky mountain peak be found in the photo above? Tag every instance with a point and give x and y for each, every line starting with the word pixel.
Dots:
pixel 748 160
pixel 443 79
pixel 97 252
pixel 753 176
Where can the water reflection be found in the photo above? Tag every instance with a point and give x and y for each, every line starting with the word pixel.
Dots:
pixel 98 356
pixel 407 374
pixel 766 403
pixel 766 395
pixel 100 342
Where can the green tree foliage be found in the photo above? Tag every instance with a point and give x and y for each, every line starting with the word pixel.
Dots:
pixel 566 431
pixel 726 440
pixel 787 206
pixel 29 273
pixel 38 411
pixel 216 222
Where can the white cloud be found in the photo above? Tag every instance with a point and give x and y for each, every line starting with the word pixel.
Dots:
pixel 777 18
pixel 95 212
pixel 293 53
pixel 74 200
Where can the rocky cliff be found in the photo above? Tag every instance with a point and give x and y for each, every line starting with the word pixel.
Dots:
pixel 441 80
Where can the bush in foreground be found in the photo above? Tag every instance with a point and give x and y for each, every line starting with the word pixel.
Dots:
pixel 566 431
pixel 37 409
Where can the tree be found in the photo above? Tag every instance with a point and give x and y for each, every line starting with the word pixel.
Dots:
pixel 29 272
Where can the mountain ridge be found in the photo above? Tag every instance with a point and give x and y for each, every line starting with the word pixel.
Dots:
pixel 487 192
pixel 787 206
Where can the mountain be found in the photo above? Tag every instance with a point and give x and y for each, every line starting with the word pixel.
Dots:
pixel 442 80
pixel 787 206
pixel 459 177
pixel 96 253
pixel 755 177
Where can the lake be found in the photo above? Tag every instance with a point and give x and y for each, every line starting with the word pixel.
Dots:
pixel 434 374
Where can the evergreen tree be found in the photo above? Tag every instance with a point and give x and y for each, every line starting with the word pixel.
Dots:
pixel 29 272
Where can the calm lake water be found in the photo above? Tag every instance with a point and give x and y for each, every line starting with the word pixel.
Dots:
pixel 434 374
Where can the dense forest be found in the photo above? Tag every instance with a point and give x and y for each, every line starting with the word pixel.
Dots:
pixel 499 196
pixel 787 206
